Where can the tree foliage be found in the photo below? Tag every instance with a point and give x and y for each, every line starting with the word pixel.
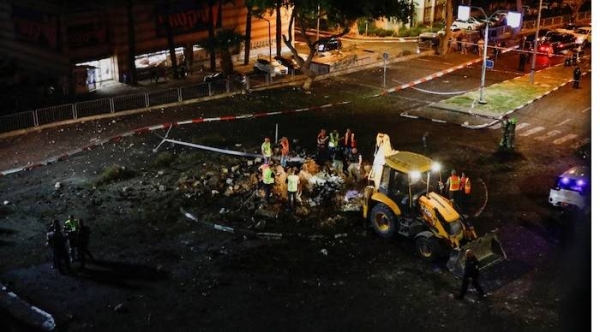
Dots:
pixel 340 13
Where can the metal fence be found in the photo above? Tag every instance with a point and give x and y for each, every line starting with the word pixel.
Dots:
pixel 79 110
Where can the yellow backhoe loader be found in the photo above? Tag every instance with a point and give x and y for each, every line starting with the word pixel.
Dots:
pixel 399 200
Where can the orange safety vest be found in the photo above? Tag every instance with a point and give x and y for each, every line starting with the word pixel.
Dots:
pixel 285 146
pixel 468 186
pixel 454 183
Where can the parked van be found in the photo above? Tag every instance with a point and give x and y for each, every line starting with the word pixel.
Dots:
pixel 572 189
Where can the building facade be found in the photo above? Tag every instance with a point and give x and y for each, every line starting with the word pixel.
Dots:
pixel 87 45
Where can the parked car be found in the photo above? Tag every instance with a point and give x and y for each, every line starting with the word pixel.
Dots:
pixel 274 68
pixel 329 45
pixel 528 44
pixel 289 62
pixel 470 24
pixel 557 41
pixel 583 35
pixel 218 76
pixel 432 37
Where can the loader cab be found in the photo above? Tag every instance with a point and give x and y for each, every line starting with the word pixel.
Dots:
pixel 403 188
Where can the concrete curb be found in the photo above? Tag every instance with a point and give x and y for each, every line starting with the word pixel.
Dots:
pixel 25 312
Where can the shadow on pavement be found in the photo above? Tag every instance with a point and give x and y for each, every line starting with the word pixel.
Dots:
pixel 125 275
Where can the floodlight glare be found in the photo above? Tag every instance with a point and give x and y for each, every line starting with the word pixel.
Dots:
pixel 464 12
pixel 436 167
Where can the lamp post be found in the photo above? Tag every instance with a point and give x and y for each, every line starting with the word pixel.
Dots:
pixel 535 43
pixel 514 20
pixel 269 24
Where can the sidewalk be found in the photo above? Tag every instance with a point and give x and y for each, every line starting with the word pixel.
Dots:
pixel 500 99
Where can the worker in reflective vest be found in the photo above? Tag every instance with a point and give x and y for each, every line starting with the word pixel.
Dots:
pixel 465 184
pixel 267 180
pixel 453 185
pixel 265 149
pixel 334 139
pixel 348 142
pixel 285 150
pixel 292 187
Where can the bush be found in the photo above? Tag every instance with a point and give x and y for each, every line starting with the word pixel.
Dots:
pixel 164 159
pixel 113 174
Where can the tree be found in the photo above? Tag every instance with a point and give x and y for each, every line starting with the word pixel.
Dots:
pixel 449 17
pixel 341 13
pixel 222 43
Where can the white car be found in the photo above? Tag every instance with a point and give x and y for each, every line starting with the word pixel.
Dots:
pixel 470 24
pixel 572 189
pixel 274 68
pixel 583 35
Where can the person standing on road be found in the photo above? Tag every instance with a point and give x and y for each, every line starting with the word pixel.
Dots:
pixel 522 61
pixel 348 142
pixel 453 186
pixel 266 151
pixel 70 229
pixel 334 139
pixel 354 164
pixel 57 241
pixel 292 187
pixel 576 77
pixel 285 151
pixel 465 189
pixel 83 243
pixel 267 180
pixel 480 47
pixel 471 274
pixel 322 139
pixel 511 128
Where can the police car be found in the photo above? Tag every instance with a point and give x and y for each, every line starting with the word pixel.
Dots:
pixel 572 189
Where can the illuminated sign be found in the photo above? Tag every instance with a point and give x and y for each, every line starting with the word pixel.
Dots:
pixel 35 27
pixel 187 16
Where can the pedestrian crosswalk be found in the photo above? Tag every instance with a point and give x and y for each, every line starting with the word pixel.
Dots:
pixel 540 133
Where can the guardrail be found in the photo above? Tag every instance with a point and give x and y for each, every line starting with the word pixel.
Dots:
pixel 149 99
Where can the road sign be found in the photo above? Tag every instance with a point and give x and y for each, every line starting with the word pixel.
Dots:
pixel 489 64
pixel 385 55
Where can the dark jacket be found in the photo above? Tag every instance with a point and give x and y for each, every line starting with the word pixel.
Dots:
pixel 471 267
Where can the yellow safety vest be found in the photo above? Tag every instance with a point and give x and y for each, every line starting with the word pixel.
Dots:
pixel 266 149
pixel 267 176
pixel 467 186
pixel 293 183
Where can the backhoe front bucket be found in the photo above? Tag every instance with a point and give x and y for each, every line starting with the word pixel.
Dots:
pixel 487 249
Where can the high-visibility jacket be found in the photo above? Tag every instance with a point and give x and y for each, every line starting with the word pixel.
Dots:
pixel 453 183
pixel 70 225
pixel 334 138
pixel 267 176
pixel 285 146
pixel 349 141
pixel 467 186
pixel 266 149
pixel 293 181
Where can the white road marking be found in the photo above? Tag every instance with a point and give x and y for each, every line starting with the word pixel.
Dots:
pixel 521 126
pixel 532 131
pixel 549 134
pixel 585 110
pixel 564 139
pixel 562 123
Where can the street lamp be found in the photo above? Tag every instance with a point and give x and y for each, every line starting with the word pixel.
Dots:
pixel 269 22
pixel 513 20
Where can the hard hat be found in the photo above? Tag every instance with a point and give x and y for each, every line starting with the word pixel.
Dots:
pixel 453 172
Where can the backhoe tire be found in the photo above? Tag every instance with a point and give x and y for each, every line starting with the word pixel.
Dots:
pixel 428 248
pixel 383 221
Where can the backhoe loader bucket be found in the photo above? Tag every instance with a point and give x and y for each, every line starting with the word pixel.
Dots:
pixel 487 249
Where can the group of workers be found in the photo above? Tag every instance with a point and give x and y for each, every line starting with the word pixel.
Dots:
pixel 457 188
pixel 69 243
